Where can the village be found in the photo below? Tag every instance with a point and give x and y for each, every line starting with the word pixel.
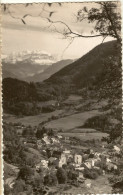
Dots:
pixel 77 167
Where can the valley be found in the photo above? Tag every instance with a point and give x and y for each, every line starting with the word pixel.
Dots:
pixel 65 134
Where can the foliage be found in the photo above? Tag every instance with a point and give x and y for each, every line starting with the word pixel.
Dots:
pixel 106 18
pixel 7 189
pixel 19 186
pixel 98 122
pixel 61 175
pixel 117 182
pixel 50 179
pixel 42 130
pixel 14 150
pixel 28 132
pixel 25 173
pixel 90 174
pixel 46 109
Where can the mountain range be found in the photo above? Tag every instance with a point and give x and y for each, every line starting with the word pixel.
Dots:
pixel 26 63
pixel 30 66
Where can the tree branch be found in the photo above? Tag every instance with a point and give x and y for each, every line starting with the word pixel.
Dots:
pixel 74 33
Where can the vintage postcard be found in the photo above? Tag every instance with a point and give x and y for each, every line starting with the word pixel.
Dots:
pixel 62 98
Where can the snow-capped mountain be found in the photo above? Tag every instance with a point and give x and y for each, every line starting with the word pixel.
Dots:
pixel 26 63
pixel 35 56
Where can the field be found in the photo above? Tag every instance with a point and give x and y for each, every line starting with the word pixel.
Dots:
pixel 86 136
pixel 30 120
pixel 72 121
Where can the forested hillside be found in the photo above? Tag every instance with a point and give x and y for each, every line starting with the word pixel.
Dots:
pixel 96 75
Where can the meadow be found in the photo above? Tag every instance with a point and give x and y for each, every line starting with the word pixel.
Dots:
pixel 72 121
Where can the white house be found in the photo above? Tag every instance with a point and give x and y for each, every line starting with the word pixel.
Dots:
pixel 46 140
pixel 108 160
pixel 66 151
pixel 63 160
pixel 59 136
pixel 44 163
pixel 117 149
pixel 88 164
pixel 54 140
pixel 97 154
pixel 78 159
pixel 80 168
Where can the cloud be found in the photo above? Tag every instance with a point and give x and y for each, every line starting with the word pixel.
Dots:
pixel 36 35
pixel 34 56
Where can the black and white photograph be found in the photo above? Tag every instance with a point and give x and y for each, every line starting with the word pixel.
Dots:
pixel 62 98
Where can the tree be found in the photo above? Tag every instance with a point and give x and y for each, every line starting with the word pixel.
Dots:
pixel 7 189
pixel 25 173
pixel 40 132
pixel 19 186
pixel 107 18
pixel 38 181
pixel 61 175
pixel 50 179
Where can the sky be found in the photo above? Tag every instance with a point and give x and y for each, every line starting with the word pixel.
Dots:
pixel 37 35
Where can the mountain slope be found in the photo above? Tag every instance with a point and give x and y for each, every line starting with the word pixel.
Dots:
pixel 86 68
pixel 49 71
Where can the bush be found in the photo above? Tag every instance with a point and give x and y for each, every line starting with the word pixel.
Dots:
pixel 50 179
pixel 46 109
pixel 90 174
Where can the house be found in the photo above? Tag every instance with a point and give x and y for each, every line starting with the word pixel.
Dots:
pixel 66 151
pixel 97 154
pixel 111 166
pixel 81 175
pixel 117 149
pixel 63 160
pixel 80 168
pixel 45 139
pixel 54 140
pixel 59 136
pixel 44 163
pixel 88 165
pixel 108 160
pixel 52 159
pixel 90 162
pixel 66 138
pixel 78 159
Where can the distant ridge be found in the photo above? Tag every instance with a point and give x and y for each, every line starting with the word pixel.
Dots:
pixel 49 71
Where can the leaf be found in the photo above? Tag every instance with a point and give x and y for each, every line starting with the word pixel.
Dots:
pixel 50 4
pixel 25 15
pixel 4 7
pixel 23 21
pixel 50 14
pixel 85 9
